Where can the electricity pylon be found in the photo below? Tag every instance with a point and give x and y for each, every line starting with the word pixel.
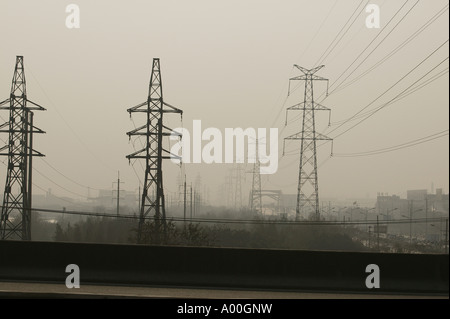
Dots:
pixel 255 195
pixel 152 200
pixel 308 186
pixel 15 222
pixel 233 186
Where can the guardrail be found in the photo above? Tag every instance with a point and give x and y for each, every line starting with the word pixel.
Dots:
pixel 223 267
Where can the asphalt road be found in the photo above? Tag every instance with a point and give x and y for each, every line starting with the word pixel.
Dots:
pixel 54 290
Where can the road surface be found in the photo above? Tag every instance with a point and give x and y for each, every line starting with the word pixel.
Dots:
pixel 54 290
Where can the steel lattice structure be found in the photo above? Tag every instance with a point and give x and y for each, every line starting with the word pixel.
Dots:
pixel 308 186
pixel 234 187
pixel 255 195
pixel 15 222
pixel 152 200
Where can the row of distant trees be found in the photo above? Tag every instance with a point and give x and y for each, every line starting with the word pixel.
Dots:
pixel 269 235
pixel 253 235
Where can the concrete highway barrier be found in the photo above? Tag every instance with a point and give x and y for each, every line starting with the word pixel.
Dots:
pixel 223 267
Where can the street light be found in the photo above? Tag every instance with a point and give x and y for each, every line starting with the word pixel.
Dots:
pixel 367 211
pixel 446 235
pixel 340 213
pixel 389 211
pixel 351 212
pixel 330 210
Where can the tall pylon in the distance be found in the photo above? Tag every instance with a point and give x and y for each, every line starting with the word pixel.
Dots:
pixel 15 222
pixel 255 195
pixel 308 186
pixel 152 200
pixel 237 174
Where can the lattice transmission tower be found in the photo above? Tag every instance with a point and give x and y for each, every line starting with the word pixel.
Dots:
pixel 152 200
pixel 15 222
pixel 255 195
pixel 308 186
pixel 234 187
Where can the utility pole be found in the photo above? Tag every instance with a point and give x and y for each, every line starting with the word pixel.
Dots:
pixel 446 237
pixel 191 203
pixel 15 219
pixel 184 210
pixel 195 201
pixel 180 189
pixel 237 177
pixel 206 194
pixel 329 209
pixel 378 235
pixel 426 216
pixel 154 107
pixel 321 209
pixel 410 222
pixel 308 186
pixel 139 202
pixel 118 193
pixel 197 194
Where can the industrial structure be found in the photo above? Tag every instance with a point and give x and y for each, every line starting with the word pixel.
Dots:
pixel 15 222
pixel 234 187
pixel 255 195
pixel 308 186
pixel 152 200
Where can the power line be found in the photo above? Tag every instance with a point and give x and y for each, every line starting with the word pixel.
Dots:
pixel 396 147
pixel 411 90
pixel 406 93
pixel 318 30
pixel 392 86
pixel 390 102
pixel 60 198
pixel 322 58
pixel 247 221
pixel 62 187
pixel 68 178
pixel 66 123
pixel 371 42
pixel 138 178
pixel 363 27
pixel 44 190
pixel 394 51
pixel 427 82
pixel 400 97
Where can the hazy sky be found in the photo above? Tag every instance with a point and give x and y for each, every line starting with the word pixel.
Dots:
pixel 227 63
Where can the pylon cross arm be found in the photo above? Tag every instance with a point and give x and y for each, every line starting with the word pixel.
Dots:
pixel 299 78
pixel 136 108
pixel 38 107
pixel 173 109
pixel 311 71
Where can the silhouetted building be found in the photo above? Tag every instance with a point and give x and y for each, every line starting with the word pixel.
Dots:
pixel 416 194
